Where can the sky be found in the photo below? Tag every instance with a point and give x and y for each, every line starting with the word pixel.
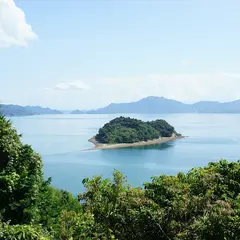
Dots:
pixel 79 54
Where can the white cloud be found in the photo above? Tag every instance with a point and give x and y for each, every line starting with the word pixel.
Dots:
pixel 14 29
pixel 75 85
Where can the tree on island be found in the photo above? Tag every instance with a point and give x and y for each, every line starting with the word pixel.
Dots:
pixel 130 130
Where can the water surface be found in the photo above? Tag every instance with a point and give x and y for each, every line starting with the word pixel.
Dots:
pixel 60 140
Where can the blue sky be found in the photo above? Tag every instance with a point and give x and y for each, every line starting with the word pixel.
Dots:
pixel 85 54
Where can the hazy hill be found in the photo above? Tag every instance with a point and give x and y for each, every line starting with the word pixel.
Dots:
pixel 217 107
pixel 206 106
pixel 77 112
pixel 164 105
pixel 16 110
pixel 146 105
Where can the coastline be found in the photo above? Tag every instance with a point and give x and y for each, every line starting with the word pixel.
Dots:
pixel 102 146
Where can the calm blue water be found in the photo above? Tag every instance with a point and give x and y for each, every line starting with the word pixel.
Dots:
pixel 60 140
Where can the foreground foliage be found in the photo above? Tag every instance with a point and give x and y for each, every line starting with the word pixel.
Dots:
pixel 20 177
pixel 130 130
pixel 22 232
pixel 203 204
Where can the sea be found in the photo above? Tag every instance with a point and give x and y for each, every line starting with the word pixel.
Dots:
pixel 62 141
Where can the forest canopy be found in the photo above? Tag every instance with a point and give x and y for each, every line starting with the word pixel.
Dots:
pixel 130 130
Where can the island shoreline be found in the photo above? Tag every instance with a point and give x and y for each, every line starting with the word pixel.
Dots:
pixel 102 146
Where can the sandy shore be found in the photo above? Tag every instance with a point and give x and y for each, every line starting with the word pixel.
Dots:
pixel 99 146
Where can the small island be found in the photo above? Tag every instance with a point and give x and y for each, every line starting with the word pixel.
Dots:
pixel 77 112
pixel 129 132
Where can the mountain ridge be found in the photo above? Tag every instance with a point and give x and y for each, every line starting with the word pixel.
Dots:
pixel 154 104
pixel 17 110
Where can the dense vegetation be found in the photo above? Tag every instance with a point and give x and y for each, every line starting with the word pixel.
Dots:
pixel 203 204
pixel 130 130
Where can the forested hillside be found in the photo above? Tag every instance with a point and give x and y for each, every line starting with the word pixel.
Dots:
pixel 203 204
pixel 130 130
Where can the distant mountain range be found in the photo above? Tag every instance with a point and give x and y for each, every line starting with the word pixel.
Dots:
pixel 145 105
pixel 163 105
pixel 16 110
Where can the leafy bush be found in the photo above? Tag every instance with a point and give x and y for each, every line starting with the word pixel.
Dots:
pixel 202 204
pixel 20 177
pixel 22 232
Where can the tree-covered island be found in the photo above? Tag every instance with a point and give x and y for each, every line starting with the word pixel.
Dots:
pixel 130 130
